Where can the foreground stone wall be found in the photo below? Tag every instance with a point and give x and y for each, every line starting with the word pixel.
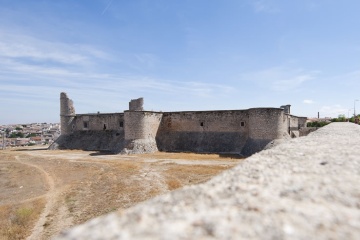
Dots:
pixel 306 188
pixel 203 131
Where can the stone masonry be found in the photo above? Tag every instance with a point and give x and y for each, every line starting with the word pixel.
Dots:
pixel 137 131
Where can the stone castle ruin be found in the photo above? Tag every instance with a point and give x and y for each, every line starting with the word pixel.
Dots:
pixel 138 131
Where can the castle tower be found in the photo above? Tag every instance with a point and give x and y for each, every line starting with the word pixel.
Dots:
pixel 140 128
pixel 67 114
pixel 265 125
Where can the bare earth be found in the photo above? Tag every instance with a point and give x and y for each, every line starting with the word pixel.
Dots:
pixel 43 192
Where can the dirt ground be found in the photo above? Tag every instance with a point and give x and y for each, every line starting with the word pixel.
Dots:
pixel 43 192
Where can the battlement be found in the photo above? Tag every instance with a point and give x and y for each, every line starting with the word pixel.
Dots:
pixel 222 131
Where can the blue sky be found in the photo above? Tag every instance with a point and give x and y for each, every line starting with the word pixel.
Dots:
pixel 178 55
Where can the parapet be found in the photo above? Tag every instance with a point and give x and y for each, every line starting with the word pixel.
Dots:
pixel 136 104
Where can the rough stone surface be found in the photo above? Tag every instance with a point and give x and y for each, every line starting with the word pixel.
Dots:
pixel 305 188
pixel 221 131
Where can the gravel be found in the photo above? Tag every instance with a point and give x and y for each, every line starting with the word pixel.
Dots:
pixel 305 188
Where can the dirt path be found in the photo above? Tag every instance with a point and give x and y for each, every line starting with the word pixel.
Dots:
pixel 52 197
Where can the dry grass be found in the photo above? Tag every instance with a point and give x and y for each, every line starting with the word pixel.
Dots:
pixel 17 220
pixel 88 184
pixel 180 175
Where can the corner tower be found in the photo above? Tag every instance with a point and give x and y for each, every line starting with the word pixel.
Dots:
pixel 67 114
pixel 140 128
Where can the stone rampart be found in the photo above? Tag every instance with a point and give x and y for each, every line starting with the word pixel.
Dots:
pixel 203 131
pixel 109 141
pixel 99 122
pixel 305 188
pixel 231 131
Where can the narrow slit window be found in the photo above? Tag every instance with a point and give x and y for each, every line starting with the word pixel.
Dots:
pixel 242 124
pixel 202 124
pixel 121 124
pixel 86 124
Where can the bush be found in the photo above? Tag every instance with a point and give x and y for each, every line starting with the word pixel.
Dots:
pixel 316 124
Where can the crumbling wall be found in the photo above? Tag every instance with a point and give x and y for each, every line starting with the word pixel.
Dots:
pixel 67 114
pixel 136 104
pixel 203 131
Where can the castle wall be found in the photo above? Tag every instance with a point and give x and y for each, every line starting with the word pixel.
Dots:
pixel 138 131
pixel 203 131
pixel 99 122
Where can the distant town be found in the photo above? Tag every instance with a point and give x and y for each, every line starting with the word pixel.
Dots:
pixel 17 135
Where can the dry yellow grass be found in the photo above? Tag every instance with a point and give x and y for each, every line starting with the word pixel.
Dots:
pixel 17 220
pixel 71 187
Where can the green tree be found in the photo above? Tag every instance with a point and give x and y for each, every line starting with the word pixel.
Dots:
pixel 16 135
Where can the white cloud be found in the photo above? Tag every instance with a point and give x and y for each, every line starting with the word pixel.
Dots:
pixel 308 101
pixel 280 78
pixel 30 49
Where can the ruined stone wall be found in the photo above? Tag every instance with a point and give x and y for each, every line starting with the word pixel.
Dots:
pixel 136 104
pixel 99 122
pixel 203 131
pixel 67 114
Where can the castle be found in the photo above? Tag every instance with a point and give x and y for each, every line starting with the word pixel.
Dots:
pixel 137 131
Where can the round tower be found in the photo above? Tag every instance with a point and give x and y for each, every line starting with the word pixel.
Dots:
pixel 267 123
pixel 67 113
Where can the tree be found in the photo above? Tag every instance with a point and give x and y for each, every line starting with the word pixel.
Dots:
pixel 341 118
pixel 16 135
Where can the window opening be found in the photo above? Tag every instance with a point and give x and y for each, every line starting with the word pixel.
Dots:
pixel 242 124
pixel 86 124
pixel 202 124
pixel 104 128
pixel 121 124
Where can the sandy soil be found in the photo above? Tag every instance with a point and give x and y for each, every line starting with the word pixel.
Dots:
pixel 66 188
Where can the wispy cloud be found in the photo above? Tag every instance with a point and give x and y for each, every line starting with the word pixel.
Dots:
pixel 265 6
pixel 280 78
pixel 308 101
pixel 107 7
pixel 333 110
pixel 33 50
